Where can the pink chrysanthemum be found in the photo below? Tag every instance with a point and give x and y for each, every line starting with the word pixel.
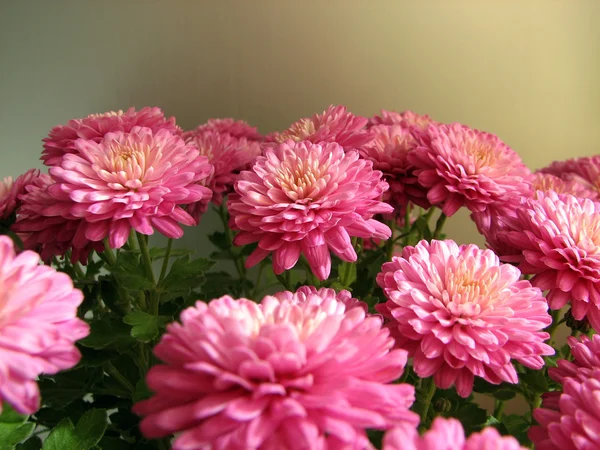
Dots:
pixel 558 241
pixel 584 171
pixel 228 155
pixel 464 167
pixel 547 182
pixel 406 119
pixel 461 313
pixel 572 422
pixel 234 128
pixel 129 180
pixel 61 139
pixel 51 235
pixel 38 325
pixel 307 198
pixel 10 191
pixel 586 359
pixel 336 124
pixel 447 434
pixel 296 371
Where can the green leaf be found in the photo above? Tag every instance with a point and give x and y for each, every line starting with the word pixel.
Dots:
pixel 504 394
pixel 108 333
pixel 186 273
pixel 61 389
pixel 472 417
pixel 145 327
pixel 157 253
pixel 517 426
pixel 219 239
pixel 142 391
pixel 423 226
pixel 112 443
pixel 14 428
pixel 33 443
pixel 84 436
pixel 347 273
pixel 95 358
pixel 534 380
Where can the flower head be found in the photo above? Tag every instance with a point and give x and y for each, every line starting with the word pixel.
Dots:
pixel 461 313
pixel 586 359
pixel 38 325
pixel 298 370
pixel 406 119
pixel 460 166
pixel 558 241
pixel 447 434
pixel 336 124
pixel 10 191
pixel 307 198
pixel 129 180
pixel 583 171
pixel 547 182
pixel 61 139
pixel 234 128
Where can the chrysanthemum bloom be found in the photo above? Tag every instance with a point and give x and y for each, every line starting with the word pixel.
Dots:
pixel 558 238
pixel 61 139
pixel 586 359
pixel 447 434
pixel 461 313
pixel 234 128
pixel 307 198
pixel 585 171
pixel 336 124
pixel 547 182
pixel 388 151
pixel 296 371
pixel 228 155
pixel 574 424
pixel 38 325
pixel 460 166
pixel 130 180
pixel 51 236
pixel 406 119
pixel 11 190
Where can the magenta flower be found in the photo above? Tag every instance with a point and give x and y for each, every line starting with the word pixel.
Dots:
pixel 548 182
pixel 447 434
pixel 234 128
pixel 586 359
pixel 298 370
pixel 228 155
pixel 38 326
pixel 335 124
pixel 460 166
pixel 94 127
pixel 10 191
pixel 584 171
pixel 129 180
pixel 406 119
pixel 558 241
pixel 461 313
pixel 51 235
pixel 307 198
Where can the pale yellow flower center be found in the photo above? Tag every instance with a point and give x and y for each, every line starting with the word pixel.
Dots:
pixel 469 292
pixel 106 114
pixel 127 165
pixel 299 180
pixel 5 187
pixel 298 131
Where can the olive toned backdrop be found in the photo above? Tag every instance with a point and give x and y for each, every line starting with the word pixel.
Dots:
pixel 527 71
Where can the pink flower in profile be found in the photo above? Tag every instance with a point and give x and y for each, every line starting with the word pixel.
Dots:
pixel 586 359
pixel 228 155
pixel 447 434
pixel 38 325
pixel 61 139
pixel 461 314
pixel 234 128
pixel 129 180
pixel 335 124
pixel 547 182
pixel 10 191
pixel 307 198
pixel 558 241
pixel 584 171
pixel 460 167
pixel 571 421
pixel 406 119
pixel 51 235
pixel 296 371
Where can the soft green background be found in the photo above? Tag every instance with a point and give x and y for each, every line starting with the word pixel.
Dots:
pixel 525 70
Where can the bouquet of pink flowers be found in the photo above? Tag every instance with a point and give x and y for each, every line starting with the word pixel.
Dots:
pixel 347 320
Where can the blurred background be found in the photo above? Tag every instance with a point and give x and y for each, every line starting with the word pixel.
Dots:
pixel 527 71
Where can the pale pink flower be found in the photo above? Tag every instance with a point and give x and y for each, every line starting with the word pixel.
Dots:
pixel 447 434
pixel 406 119
pixel 584 171
pixel 558 241
pixel 461 313
pixel 335 124
pixel 307 198
pixel 234 128
pixel 295 371
pixel 460 166
pixel 10 191
pixel 129 180
pixel 38 325
pixel 51 235
pixel 548 182
pixel 572 422
pixel 61 139
pixel 228 155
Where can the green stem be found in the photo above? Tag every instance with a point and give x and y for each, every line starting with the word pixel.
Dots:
pixel 165 264
pixel 284 279
pixel 427 401
pixel 146 260
pixel 439 224
pixel 111 259
pixel 131 240
pixel 114 372
pixel 390 244
pixel 257 282
pixel 499 409
pixel 78 270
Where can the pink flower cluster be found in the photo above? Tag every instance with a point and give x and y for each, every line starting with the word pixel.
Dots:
pixel 298 370
pixel 10 191
pixel 38 325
